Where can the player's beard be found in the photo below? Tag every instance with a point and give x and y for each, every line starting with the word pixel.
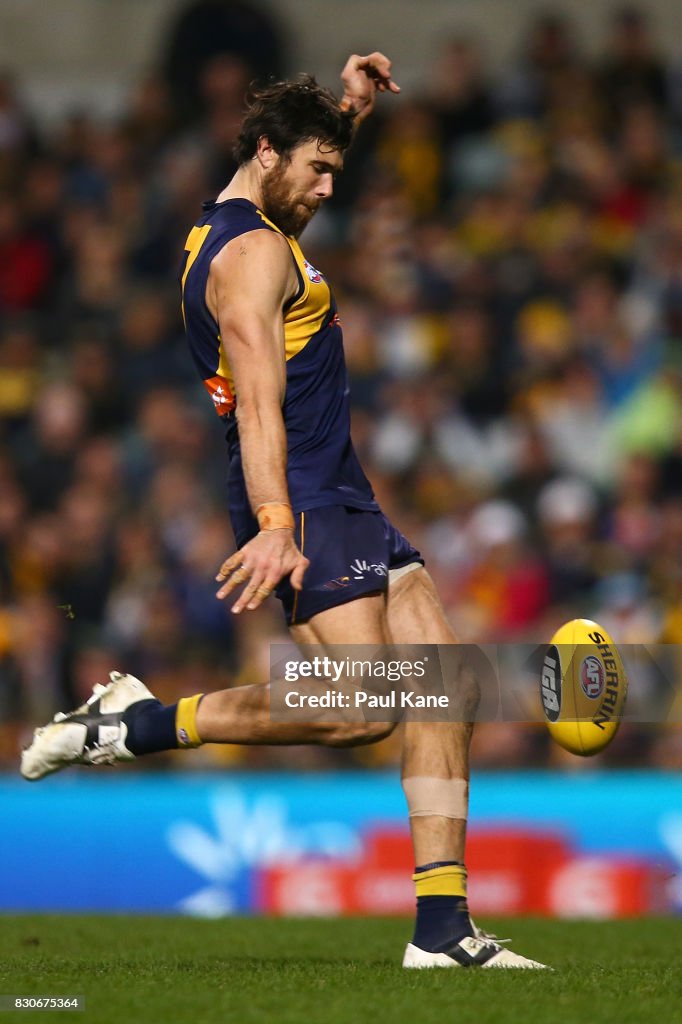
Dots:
pixel 284 207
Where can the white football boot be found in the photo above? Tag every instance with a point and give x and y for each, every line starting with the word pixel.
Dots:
pixel 477 950
pixel 94 733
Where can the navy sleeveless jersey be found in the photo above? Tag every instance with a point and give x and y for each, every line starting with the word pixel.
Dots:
pixel 322 467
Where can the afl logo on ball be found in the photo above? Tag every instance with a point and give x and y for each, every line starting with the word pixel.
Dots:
pixel 592 677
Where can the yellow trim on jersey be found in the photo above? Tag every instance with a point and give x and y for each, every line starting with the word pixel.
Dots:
pixel 195 240
pixel 307 315
pixel 223 365
pixel 270 224
pixel 304 318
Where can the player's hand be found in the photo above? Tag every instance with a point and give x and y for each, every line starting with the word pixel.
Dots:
pixel 363 78
pixel 261 564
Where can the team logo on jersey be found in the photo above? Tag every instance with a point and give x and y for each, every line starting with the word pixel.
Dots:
pixel 219 397
pixel 218 389
pixel 314 275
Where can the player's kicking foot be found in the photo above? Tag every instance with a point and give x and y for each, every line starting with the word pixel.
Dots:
pixel 94 733
pixel 479 950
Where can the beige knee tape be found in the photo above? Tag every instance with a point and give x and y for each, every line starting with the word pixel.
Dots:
pixel 447 798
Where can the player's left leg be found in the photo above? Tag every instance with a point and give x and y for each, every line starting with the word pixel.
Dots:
pixel 123 720
pixel 343 589
pixel 435 775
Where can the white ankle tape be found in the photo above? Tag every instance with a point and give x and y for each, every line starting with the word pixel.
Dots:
pixel 446 798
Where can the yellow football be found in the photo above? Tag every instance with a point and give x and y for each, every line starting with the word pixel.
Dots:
pixel 583 687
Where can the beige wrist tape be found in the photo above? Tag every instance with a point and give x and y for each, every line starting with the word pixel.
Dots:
pixel 275 515
pixel 446 798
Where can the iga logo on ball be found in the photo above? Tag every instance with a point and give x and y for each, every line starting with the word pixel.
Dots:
pixel 550 684
pixel 592 677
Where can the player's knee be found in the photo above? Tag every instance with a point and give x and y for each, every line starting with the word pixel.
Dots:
pixel 357 734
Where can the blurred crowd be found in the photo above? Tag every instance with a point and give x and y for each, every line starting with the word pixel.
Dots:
pixel 506 250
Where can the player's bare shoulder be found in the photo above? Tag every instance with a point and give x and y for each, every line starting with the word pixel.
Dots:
pixel 253 267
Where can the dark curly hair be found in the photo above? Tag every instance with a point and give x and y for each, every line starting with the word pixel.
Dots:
pixel 291 113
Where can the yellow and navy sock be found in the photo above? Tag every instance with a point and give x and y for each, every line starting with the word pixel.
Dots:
pixel 153 726
pixel 442 909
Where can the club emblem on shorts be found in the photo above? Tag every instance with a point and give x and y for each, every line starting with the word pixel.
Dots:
pixel 338 584
pixel 361 569
pixel 314 275
pixel 592 677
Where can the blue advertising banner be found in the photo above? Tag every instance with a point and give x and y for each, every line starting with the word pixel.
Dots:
pixel 193 843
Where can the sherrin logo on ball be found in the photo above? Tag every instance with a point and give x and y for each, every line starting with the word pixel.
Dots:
pixel 583 687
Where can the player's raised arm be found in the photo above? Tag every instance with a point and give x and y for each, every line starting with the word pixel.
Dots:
pixel 250 280
pixel 363 78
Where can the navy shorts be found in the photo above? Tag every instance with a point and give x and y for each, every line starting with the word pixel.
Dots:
pixel 350 553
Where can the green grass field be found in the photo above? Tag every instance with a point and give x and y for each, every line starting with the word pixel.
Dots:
pixel 153 970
